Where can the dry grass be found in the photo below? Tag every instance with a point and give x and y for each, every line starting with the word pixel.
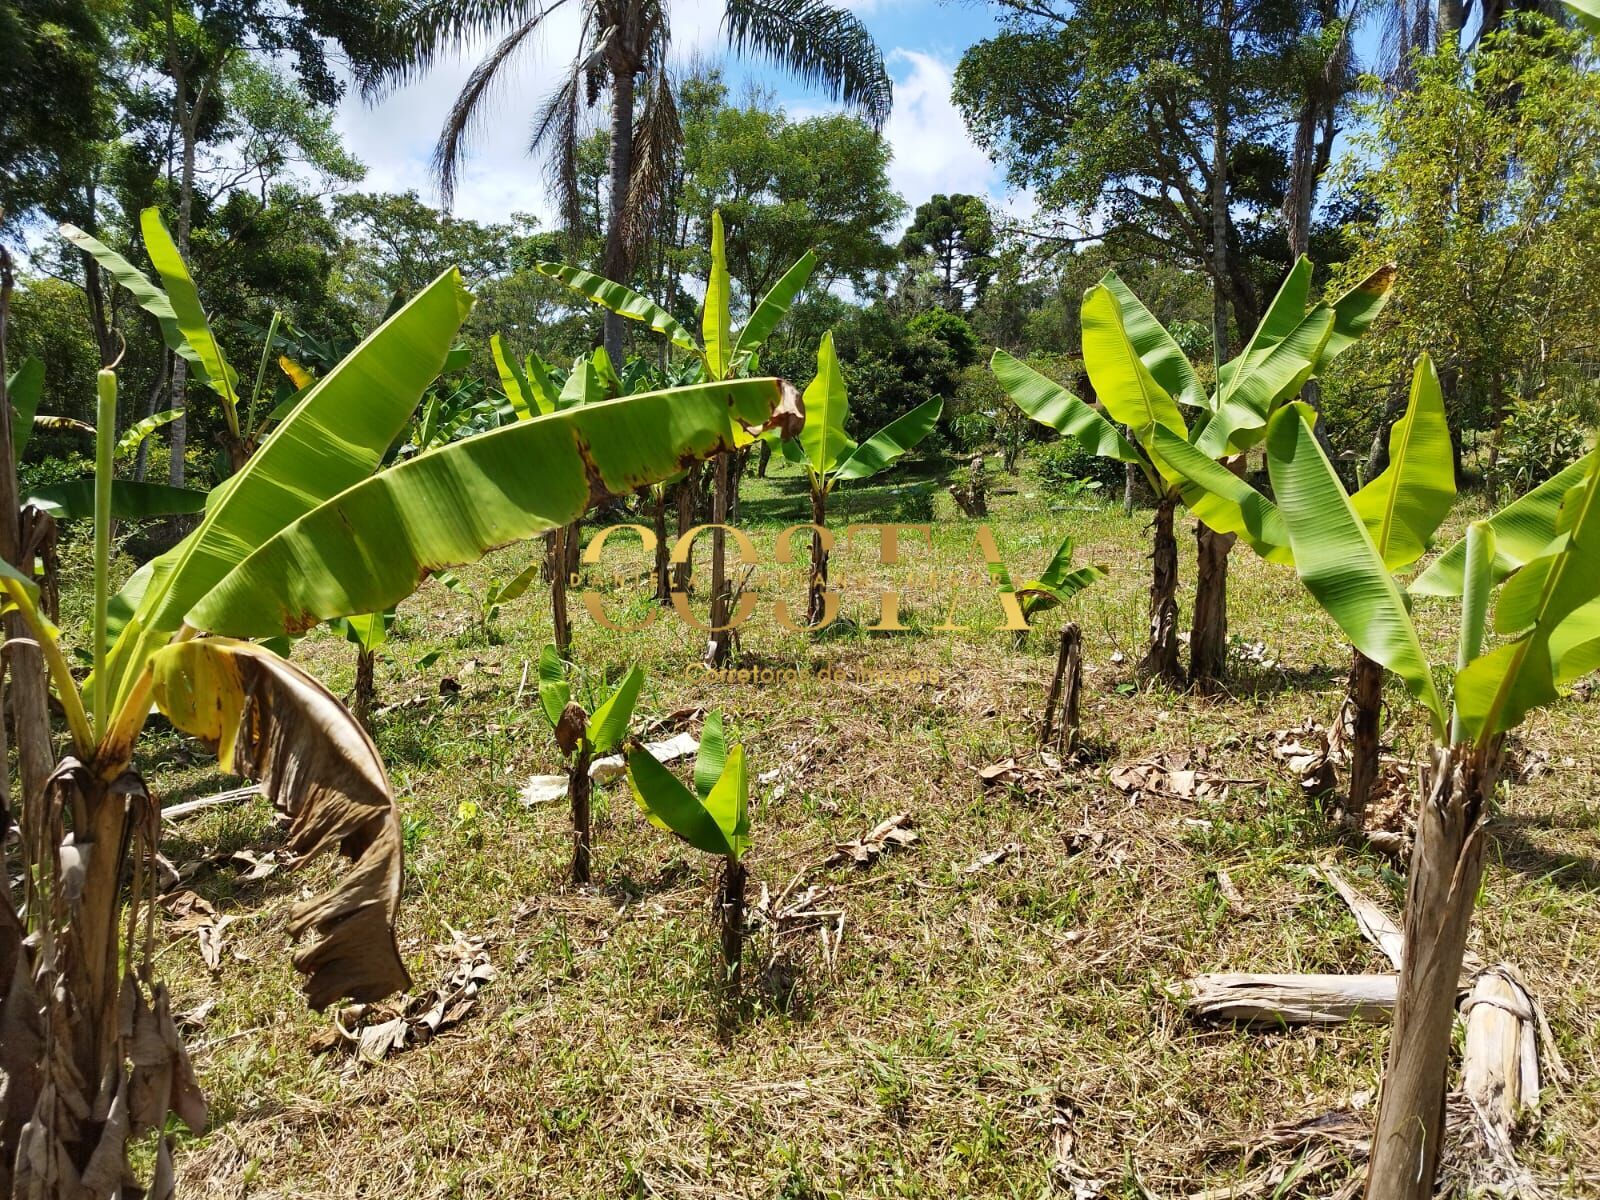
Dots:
pixel 978 1027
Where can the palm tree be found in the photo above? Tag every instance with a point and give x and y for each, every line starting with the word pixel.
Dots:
pixel 622 53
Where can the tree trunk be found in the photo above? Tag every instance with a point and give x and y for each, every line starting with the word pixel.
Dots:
pixel 816 605
pixel 764 459
pixel 29 693
pixel 1066 689
pixel 1364 694
pixel 1130 488
pixel 141 463
pixel 730 909
pixel 1445 868
pixel 1160 659
pixel 721 641
pixel 1219 181
pixel 621 171
pixel 578 788
pixel 1208 635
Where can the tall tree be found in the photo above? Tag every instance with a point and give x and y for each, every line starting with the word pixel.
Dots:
pixel 622 54
pixel 1154 124
pixel 957 234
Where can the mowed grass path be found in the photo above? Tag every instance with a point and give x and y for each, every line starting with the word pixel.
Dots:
pixel 979 1026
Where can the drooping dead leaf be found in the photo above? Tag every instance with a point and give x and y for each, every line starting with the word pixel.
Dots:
pixel 271 722
pixel 375 1031
pixel 210 936
pixel 890 833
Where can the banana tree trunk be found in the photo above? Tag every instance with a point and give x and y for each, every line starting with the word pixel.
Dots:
pixel 1445 868
pixel 366 688
pixel 562 560
pixel 1066 690
pixel 662 570
pixel 721 642
pixel 1364 694
pixel 621 170
pixel 816 605
pixel 1160 659
pixel 1208 635
pixel 688 500
pixel 579 789
pixel 731 910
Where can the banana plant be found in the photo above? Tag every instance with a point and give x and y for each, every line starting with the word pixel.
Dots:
pixel 714 817
pixel 187 332
pixel 1401 508
pixel 1058 582
pixel 831 457
pixel 1144 380
pixel 369 634
pixel 722 354
pixel 303 533
pixel 1547 622
pixel 582 737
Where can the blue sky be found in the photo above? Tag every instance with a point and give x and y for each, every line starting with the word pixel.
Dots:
pixel 921 39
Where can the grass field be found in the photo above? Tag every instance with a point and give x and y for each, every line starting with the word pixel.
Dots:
pixel 983 1030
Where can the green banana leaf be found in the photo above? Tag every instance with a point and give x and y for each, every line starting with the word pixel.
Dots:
pixel 822 437
pixel 1403 506
pixel 893 440
pixel 369 631
pixel 524 400
pixel 546 394
pixel 1226 503
pixel 1121 380
pixel 609 724
pixel 1048 403
pixel 1263 377
pixel 728 802
pixel 130 499
pixel 453 504
pixel 671 806
pixel 1287 310
pixel 186 306
pixel 1337 561
pixel 24 389
pixel 1058 583
pixel 716 323
pixel 1161 354
pixel 711 756
pixel 1354 312
pixel 620 300
pixel 148 296
pixel 335 437
pixel 1552 609
pixel 554 690
pixel 780 296
pixel 129 442
pixel 1522 529
pixel 1587 12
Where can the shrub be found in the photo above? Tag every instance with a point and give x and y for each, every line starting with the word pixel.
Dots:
pixel 1064 466
pixel 1537 438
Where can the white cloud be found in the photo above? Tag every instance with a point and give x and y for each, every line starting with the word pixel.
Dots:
pixel 932 149
pixel 933 152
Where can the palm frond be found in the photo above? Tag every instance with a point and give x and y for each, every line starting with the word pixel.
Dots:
pixel 555 133
pixel 823 46
pixel 428 29
pixel 470 107
pixel 657 136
